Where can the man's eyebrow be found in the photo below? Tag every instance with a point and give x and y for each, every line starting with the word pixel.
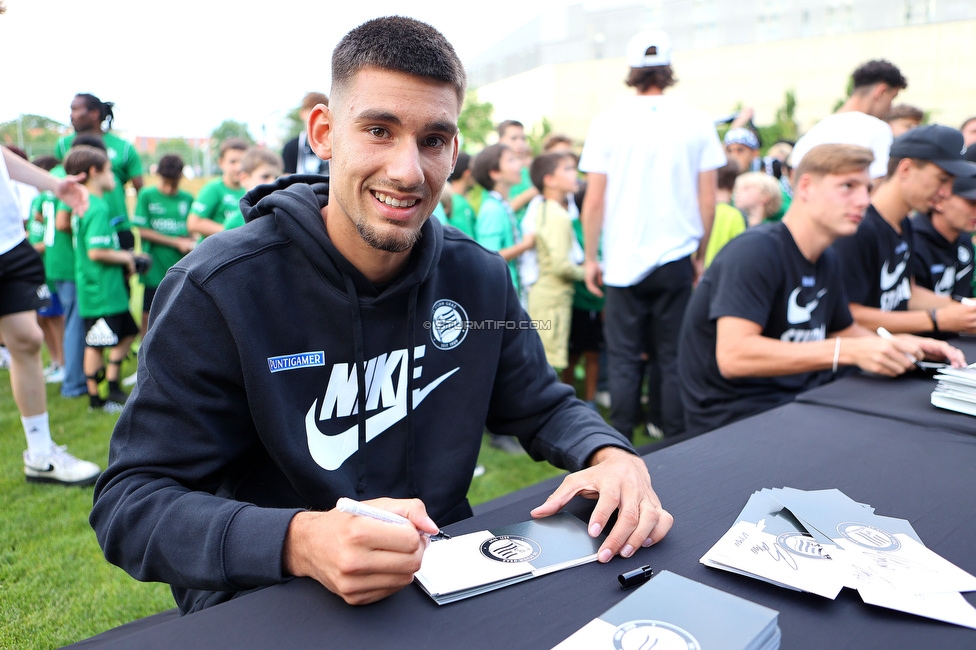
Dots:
pixel 391 118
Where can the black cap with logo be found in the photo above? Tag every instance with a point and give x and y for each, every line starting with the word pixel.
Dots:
pixel 941 145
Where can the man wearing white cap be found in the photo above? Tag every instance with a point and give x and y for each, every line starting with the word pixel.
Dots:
pixel 651 168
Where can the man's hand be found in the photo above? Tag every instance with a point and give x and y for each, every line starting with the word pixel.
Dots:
pixel 619 480
pixel 360 559
pixel 935 350
pixel 70 190
pixel 594 277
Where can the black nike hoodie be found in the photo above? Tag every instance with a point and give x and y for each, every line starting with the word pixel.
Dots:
pixel 276 378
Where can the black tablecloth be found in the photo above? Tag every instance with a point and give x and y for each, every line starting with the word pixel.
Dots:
pixel 905 398
pixel 920 474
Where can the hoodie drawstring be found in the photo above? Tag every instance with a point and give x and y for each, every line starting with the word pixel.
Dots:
pixel 357 337
pixel 412 333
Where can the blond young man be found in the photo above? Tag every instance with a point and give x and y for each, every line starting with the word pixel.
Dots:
pixel 770 318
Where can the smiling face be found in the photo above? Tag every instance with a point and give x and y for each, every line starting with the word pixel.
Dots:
pixel 392 141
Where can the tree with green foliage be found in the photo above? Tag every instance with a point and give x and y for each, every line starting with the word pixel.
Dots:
pixel 538 135
pixel 475 122
pixel 35 134
pixel 231 129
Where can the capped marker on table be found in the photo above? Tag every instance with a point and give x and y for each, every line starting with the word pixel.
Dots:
pixel 353 507
pixel 885 334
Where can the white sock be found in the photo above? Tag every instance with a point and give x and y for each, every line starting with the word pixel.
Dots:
pixel 38 432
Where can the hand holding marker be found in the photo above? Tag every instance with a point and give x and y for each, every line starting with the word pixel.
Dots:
pixel 352 507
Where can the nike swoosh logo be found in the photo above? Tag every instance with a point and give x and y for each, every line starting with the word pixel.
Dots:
pixel 889 278
pixel 330 452
pixel 963 272
pixel 795 313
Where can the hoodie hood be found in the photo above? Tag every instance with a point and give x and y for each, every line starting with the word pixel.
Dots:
pixel 296 202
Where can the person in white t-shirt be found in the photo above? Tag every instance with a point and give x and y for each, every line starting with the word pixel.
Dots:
pixel 651 165
pixel 860 120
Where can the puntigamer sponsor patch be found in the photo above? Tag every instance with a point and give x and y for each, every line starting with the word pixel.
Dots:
pixel 295 361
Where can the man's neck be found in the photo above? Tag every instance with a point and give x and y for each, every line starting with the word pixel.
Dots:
pixel 559 196
pixel 723 196
pixel 94 190
pixel 502 188
pixel 810 239
pixel 950 234
pixel 229 182
pixel 652 91
pixel 888 201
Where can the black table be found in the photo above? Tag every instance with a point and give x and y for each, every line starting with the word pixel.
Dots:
pixel 905 398
pixel 920 474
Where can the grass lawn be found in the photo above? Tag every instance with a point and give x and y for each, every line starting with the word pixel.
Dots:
pixel 55 586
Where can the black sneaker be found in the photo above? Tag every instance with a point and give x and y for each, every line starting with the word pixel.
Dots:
pixel 117 395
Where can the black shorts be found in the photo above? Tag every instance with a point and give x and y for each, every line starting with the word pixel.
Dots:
pixel 148 293
pixel 107 331
pixel 22 286
pixel 586 331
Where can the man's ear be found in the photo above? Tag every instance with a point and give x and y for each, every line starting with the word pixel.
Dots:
pixel 319 129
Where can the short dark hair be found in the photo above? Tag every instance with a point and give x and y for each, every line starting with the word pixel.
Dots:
pixel 47 163
pixel 555 139
pixel 545 165
pixel 313 99
pixel 82 158
pixel 727 174
pixel 400 44
pixel 461 166
pixel 506 125
pixel 487 161
pixel 878 71
pixel 894 161
pixel 905 112
pixel 170 167
pixel 238 144
pixel 643 79
pixel 89 140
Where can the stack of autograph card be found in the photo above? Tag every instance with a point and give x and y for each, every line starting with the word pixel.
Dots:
pixel 472 564
pixel 820 541
pixel 956 389
pixel 671 611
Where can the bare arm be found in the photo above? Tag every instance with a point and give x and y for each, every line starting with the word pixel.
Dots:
pixel 68 189
pixel 742 351
pixel 707 189
pixel 592 218
pixel 523 199
pixel 110 256
pixel 182 244
pixel 198 225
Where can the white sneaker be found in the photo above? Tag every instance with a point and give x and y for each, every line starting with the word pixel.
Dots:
pixel 4 357
pixel 54 374
pixel 602 398
pixel 59 467
pixel 130 380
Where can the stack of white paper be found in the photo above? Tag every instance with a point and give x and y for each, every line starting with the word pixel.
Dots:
pixel 674 612
pixel 821 541
pixel 956 389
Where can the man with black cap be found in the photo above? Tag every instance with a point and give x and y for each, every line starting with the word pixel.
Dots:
pixel 943 241
pixel 877 261
pixel 651 165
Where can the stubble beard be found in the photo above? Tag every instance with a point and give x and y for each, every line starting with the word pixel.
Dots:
pixel 398 241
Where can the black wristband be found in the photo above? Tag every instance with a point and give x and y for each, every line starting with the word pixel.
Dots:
pixel 935 322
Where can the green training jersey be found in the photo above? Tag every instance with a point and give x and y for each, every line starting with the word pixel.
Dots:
pixel 166 215
pixel 462 215
pixel 101 287
pixel 126 165
pixel 218 202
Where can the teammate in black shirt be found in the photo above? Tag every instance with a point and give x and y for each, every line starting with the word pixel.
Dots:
pixel 770 318
pixel 943 248
pixel 877 262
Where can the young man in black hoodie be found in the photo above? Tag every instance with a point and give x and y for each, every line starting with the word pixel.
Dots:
pixel 352 347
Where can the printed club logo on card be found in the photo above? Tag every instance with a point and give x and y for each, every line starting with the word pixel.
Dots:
pixel 638 635
pixel 511 549
pixel 869 536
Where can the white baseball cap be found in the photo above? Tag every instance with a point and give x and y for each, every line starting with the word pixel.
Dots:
pixel 648 49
